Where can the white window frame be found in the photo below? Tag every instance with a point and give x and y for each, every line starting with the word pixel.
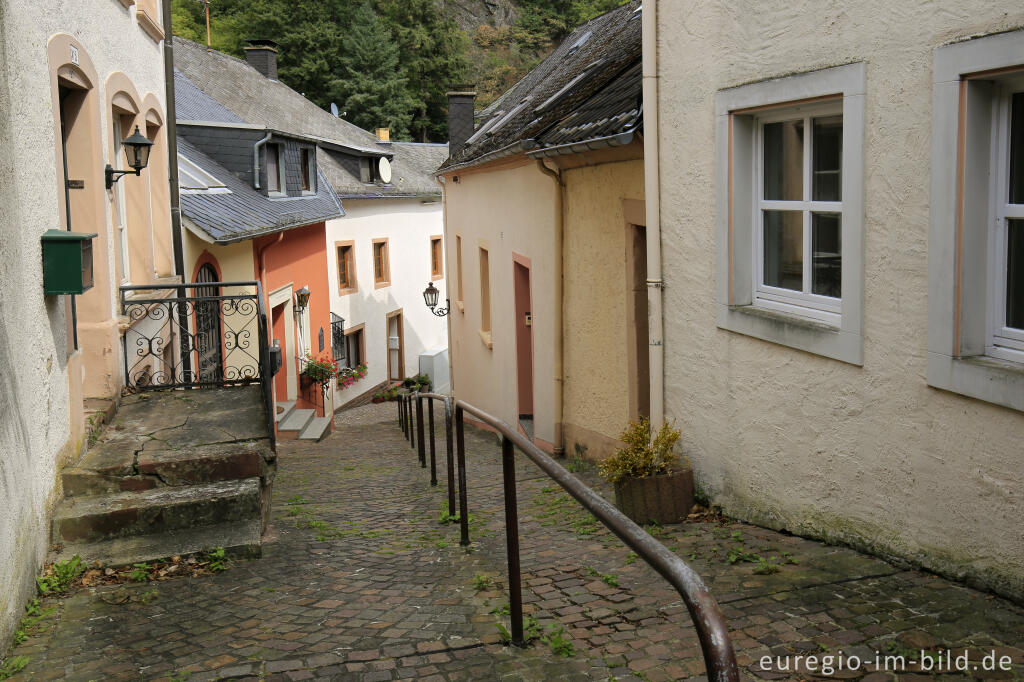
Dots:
pixel 837 335
pixel 802 303
pixel 120 202
pixel 963 231
pixel 1003 342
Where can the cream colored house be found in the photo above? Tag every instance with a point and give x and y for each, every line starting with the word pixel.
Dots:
pixel 546 249
pixel 843 253
pixel 73 86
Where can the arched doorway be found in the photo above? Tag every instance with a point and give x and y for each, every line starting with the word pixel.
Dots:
pixel 208 329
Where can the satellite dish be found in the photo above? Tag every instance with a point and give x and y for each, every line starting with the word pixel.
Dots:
pixel 384 168
pixel 334 110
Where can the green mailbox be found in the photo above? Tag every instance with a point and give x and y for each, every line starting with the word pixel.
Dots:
pixel 67 262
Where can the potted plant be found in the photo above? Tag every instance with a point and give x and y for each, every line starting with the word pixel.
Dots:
pixel 651 483
pixel 350 375
pixel 318 369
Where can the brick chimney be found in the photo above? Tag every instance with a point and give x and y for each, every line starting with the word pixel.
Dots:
pixel 461 99
pixel 262 56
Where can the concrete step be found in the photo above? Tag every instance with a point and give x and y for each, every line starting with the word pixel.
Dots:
pixel 239 539
pixel 317 429
pixel 296 422
pixel 284 409
pixel 156 467
pixel 96 518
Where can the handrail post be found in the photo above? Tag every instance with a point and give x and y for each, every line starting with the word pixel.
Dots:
pixel 449 454
pixel 460 439
pixel 515 581
pixel 433 457
pixel 412 423
pixel 401 415
pixel 420 447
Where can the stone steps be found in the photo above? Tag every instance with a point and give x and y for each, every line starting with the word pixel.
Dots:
pixel 317 429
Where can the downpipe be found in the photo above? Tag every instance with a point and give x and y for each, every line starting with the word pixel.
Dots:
pixel 559 377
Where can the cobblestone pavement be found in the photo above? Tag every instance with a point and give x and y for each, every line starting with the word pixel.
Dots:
pixel 360 581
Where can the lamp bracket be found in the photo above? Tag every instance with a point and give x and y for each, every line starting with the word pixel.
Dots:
pixel 113 175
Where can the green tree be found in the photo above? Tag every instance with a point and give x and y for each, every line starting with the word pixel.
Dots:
pixel 432 50
pixel 371 85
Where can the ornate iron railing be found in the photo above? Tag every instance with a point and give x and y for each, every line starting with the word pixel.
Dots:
pixel 196 336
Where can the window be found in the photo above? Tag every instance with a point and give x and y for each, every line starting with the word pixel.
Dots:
pixel 122 123
pixel 381 263
pixel 307 162
pixel 799 215
pixel 346 267
pixel 368 169
pixel 436 258
pixel 275 171
pixel 355 346
pixel 485 297
pixel 458 267
pixel 976 238
pixel 790 158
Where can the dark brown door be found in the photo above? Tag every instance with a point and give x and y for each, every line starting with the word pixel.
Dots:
pixel 208 344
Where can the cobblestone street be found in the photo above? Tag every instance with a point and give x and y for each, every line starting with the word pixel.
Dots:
pixel 360 580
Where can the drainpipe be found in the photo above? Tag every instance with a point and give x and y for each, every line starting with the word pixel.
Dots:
pixel 448 285
pixel 652 196
pixel 171 133
pixel 559 444
pixel 256 160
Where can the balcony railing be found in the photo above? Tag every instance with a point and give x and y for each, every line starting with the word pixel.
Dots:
pixel 187 336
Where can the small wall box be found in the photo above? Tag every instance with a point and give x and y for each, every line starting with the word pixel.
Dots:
pixel 67 262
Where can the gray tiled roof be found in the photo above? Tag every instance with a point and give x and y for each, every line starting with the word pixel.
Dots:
pixel 244 213
pixel 615 109
pixel 192 104
pixel 596 54
pixel 412 172
pixel 246 93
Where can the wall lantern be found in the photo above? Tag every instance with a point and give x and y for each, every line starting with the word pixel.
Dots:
pixel 67 262
pixel 430 295
pixel 302 298
pixel 136 150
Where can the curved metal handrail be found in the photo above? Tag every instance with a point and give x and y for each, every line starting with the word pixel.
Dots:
pixel 707 618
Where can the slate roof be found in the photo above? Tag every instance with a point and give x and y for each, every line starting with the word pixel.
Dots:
pixel 192 104
pixel 587 88
pixel 244 92
pixel 244 213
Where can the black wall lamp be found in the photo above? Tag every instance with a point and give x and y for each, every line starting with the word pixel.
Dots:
pixel 302 299
pixel 136 149
pixel 430 295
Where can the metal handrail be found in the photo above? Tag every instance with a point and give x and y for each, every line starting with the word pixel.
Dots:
pixel 712 631
pixel 266 375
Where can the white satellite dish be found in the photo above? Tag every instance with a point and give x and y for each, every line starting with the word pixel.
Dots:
pixel 384 169
pixel 334 110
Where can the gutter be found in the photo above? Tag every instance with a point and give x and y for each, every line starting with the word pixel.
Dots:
pixel 256 159
pixel 617 140
pixel 652 197
pixel 504 152
pixel 559 350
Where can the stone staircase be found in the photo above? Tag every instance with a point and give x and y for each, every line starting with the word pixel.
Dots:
pixel 294 423
pixel 176 472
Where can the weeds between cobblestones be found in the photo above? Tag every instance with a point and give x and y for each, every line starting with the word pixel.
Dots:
pixel 363 579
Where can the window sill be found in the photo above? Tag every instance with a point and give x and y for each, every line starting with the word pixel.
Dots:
pixel 486 338
pixel 461 306
pixel 793 331
pixel 381 285
pixel 983 377
pixel 127 3
pixel 346 292
pixel 434 278
pixel 150 25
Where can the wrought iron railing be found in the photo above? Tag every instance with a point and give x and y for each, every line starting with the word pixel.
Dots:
pixel 186 336
pixel 712 630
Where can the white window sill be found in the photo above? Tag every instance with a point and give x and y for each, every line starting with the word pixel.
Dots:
pixel 987 378
pixel 795 331
pixel 486 338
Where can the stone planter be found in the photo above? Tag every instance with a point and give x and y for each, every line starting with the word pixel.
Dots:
pixel 666 498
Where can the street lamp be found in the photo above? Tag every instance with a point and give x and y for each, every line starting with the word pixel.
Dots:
pixel 430 295
pixel 302 299
pixel 136 150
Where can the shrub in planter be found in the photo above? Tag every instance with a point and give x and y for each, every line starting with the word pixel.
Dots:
pixel 651 484
pixel 319 369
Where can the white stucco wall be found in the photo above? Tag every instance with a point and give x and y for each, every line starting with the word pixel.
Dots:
pixel 36 433
pixel 869 454
pixel 407 224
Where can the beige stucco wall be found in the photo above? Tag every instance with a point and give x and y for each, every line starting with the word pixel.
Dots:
pixel 509 211
pixel 39 427
pixel 596 299
pixel 867 455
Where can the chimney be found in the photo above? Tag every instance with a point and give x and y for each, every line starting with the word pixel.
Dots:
pixel 384 134
pixel 461 107
pixel 262 56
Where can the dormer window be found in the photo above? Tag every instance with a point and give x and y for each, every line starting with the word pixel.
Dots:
pixel 275 170
pixel 368 169
pixel 307 170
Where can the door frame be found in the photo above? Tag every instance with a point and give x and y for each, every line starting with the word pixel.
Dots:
pixel 283 296
pixel 401 342
pixel 526 263
pixel 634 211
